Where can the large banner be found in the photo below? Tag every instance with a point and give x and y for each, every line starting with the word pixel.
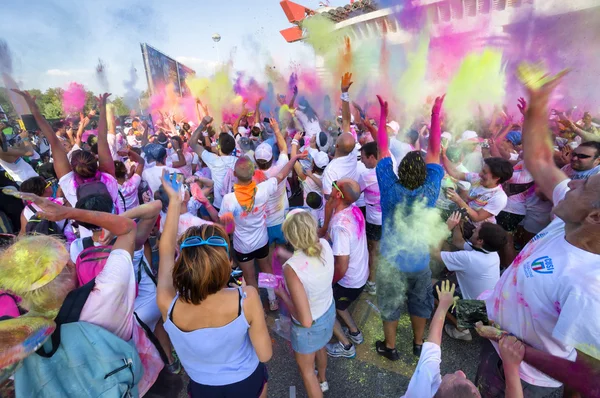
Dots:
pixel 184 73
pixel 162 70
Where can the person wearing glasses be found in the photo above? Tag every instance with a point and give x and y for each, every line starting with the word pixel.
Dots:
pixel 349 237
pixel 220 334
pixel 585 161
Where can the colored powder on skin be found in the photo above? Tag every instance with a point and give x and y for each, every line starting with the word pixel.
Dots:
pixel 293 81
pixel 73 98
pixel 411 86
pixel 479 82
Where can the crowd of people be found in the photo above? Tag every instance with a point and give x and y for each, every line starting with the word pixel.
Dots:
pixel 126 243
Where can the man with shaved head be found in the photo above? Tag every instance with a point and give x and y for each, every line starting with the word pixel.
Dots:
pixel 347 232
pixel 246 207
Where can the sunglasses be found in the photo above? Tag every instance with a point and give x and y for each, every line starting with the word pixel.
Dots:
pixel 49 184
pixel 194 241
pixel 580 155
pixel 338 188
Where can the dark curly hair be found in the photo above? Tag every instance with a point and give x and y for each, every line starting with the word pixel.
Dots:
pixel 412 170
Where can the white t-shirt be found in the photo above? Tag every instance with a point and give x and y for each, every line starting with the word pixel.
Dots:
pixel 399 149
pixel 218 166
pixel 311 128
pixel 476 271
pixel 28 213
pixel 186 220
pixel 73 149
pixel 152 174
pixel 316 274
pixel 278 204
pixel 129 190
pixel 338 168
pixel 550 297
pixel 493 200
pixel 516 203
pixel 190 159
pixel 426 380
pixel 19 171
pixel 308 186
pixel 250 227
pixel 370 187
pixel 347 232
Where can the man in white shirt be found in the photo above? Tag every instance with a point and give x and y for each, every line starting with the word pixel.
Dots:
pixel 585 161
pixel 351 260
pixel 156 157
pixel 550 297
pixel 370 187
pixel 221 164
pixel 277 205
pixel 243 210
pixel 476 264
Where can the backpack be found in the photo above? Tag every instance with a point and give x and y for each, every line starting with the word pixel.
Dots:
pixel 39 226
pixel 123 199
pixel 80 359
pixel 91 187
pixel 142 189
pixel 90 262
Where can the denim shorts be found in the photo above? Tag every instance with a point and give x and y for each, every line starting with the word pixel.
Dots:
pixel 251 387
pixel 395 287
pixel 312 339
pixel 276 235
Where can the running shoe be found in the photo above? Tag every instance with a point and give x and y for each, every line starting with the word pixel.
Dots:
pixel 337 350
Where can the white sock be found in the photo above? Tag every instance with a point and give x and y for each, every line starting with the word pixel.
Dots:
pixel 271 294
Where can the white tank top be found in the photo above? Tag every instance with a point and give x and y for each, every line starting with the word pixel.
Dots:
pixel 316 275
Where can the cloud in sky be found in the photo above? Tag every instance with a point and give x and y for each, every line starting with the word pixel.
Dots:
pixel 55 42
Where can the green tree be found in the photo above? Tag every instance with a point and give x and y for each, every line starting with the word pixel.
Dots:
pixel 50 103
pixel 90 101
pixel 6 104
pixel 120 107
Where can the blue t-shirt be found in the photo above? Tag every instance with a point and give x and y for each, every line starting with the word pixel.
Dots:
pixel 395 197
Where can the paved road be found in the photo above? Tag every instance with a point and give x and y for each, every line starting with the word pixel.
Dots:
pixel 367 375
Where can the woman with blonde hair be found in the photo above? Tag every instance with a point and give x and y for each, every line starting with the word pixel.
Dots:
pixel 219 333
pixel 309 297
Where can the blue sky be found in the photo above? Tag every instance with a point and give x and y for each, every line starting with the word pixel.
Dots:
pixel 54 42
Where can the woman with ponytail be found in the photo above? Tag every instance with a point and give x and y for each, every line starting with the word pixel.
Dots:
pixel 309 297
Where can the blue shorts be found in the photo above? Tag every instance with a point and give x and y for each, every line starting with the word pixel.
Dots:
pixel 395 287
pixel 252 386
pixel 312 339
pixel 276 235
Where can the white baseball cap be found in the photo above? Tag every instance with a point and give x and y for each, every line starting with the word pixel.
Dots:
pixel 468 135
pixel 394 126
pixel 321 159
pixel 263 152
pixel 243 131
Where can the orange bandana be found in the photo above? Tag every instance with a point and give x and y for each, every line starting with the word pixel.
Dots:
pixel 245 195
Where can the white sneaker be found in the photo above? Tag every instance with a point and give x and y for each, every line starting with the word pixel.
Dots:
pixel 456 334
pixel 371 288
pixel 358 339
pixel 324 386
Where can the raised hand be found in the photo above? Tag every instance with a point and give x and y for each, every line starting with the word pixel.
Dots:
pixel 295 90
pixel 101 99
pixel 50 210
pixel 437 104
pixel 346 82
pixel 522 105
pixel 172 184
pixel 29 99
pixel 446 294
pixel 384 105
pixel 206 120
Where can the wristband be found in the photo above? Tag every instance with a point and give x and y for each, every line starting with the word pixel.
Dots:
pixel 345 97
pixel 205 134
pixel 295 142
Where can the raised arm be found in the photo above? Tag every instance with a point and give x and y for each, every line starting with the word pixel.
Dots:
pixel 59 155
pixel 435 135
pixel 537 145
pixel 105 160
pixel 451 169
pixel 346 115
pixel 381 138
pixel 446 300
pixel 293 100
pixel 165 292
pixel 123 228
pixel 140 161
pixel 146 216
pixel 196 147
pixel 198 194
pixel 288 167
pixel 180 157
pixel 585 136
pixel 281 144
pixel 242 115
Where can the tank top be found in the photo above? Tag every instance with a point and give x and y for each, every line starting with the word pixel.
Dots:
pixel 215 356
pixel 316 275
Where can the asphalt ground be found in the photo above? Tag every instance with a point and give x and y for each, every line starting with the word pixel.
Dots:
pixel 366 375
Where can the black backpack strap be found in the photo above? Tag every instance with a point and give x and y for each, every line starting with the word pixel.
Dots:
pixel 87 242
pixel 153 339
pixel 123 199
pixel 69 312
pixel 30 207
